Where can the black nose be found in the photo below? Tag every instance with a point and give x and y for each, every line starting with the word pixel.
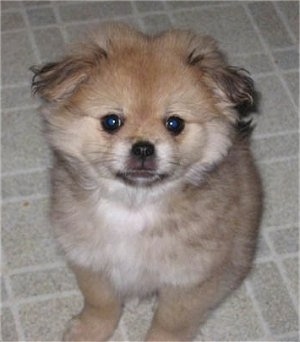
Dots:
pixel 143 149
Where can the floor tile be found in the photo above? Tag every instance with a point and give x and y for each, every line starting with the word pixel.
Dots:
pixel 18 96
pixel 280 179
pixel 9 5
pixel 275 147
pixel 8 326
pixel 255 64
pixel 28 184
pixel 269 24
pixel 189 4
pixel 291 267
pixel 27 237
pixel 276 115
pixel 262 249
pixel 94 10
pixel 230 26
pixel 290 10
pixel 12 20
pixel 292 80
pixel 234 320
pixel 4 295
pixel 23 146
pixel 273 299
pixel 285 240
pixel 43 282
pixel 156 23
pixel 36 3
pixel 287 59
pixel 79 32
pixel 41 16
pixel 17 56
pixel 48 318
pixel 50 44
pixel 149 6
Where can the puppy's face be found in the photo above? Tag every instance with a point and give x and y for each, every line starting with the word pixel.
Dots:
pixel 142 110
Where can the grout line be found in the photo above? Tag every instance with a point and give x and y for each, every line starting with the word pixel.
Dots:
pixel 275 134
pixel 37 268
pixel 24 172
pixel 270 258
pixel 278 160
pixel 278 262
pixel 285 23
pixel 16 85
pixel 12 306
pixel 43 298
pixel 257 310
pixel 17 199
pixel 123 328
pixel 268 51
pixel 25 107
pixel 284 226
pixel 30 33
pixel 60 25
pixel 137 15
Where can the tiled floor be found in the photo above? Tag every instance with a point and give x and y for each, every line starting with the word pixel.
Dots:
pixel 38 293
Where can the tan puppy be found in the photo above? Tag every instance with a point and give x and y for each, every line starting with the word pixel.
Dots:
pixel 154 186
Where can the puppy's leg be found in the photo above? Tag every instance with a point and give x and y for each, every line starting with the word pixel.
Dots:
pixel 101 311
pixel 181 310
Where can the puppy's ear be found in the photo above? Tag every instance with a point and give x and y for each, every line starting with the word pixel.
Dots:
pixel 233 84
pixel 55 82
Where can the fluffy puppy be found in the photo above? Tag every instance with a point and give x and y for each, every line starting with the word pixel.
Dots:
pixel 154 186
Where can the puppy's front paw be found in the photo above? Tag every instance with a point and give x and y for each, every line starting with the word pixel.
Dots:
pixel 92 330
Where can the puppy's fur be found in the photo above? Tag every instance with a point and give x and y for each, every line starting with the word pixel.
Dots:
pixel 146 208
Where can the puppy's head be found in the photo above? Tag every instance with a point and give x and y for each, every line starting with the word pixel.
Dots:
pixel 142 110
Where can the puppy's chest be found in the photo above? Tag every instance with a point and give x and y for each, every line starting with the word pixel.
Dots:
pixel 140 249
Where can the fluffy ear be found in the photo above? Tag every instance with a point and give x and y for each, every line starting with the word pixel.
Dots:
pixel 233 84
pixel 55 82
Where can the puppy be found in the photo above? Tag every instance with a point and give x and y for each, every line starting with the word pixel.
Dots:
pixel 154 187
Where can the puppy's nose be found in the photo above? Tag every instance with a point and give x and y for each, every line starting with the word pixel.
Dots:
pixel 143 149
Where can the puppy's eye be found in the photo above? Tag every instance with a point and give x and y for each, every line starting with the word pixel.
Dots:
pixel 174 124
pixel 111 123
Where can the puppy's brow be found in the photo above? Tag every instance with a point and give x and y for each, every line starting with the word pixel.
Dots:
pixel 192 60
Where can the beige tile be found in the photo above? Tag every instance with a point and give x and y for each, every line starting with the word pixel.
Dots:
pixel 276 109
pixel 47 320
pixel 270 24
pixel 291 267
pixel 281 193
pixel 50 43
pixel 26 234
pixel 42 282
pixel 41 16
pixel 35 183
pixel 23 146
pixel 156 23
pixel 235 320
pixel 79 10
pixel 275 147
pixel 16 56
pixel 285 240
pixel 273 299
pixel 234 35
pixel 12 20
pixel 8 326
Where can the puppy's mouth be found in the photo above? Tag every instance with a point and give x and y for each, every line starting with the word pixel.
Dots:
pixel 141 167
pixel 141 177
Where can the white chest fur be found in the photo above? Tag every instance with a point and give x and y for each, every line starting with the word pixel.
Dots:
pixel 133 247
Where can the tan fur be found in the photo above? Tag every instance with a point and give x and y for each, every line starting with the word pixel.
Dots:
pixel 187 231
